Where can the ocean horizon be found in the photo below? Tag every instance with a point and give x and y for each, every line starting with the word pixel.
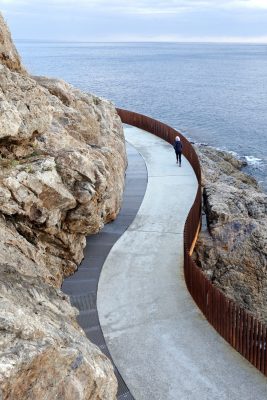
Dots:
pixel 214 93
pixel 17 40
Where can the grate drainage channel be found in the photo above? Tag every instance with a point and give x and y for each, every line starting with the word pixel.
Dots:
pixel 82 286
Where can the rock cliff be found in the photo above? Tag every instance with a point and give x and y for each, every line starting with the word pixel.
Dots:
pixel 62 167
pixel 233 249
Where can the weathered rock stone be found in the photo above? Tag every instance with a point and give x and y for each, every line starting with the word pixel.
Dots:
pixel 44 353
pixel 8 52
pixel 233 249
pixel 62 167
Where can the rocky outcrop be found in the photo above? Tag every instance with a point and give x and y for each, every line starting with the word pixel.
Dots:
pixel 233 249
pixel 62 167
pixel 44 353
pixel 8 52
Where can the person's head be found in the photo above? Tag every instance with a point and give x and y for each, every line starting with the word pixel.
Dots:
pixel 177 139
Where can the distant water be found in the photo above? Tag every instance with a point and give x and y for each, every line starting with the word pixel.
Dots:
pixel 213 93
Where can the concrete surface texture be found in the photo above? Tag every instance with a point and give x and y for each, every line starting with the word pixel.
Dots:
pixel 160 342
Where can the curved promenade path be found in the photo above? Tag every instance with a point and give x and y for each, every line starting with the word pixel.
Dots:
pixel 82 286
pixel 160 342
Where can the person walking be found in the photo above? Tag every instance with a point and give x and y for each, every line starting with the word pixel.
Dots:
pixel 178 147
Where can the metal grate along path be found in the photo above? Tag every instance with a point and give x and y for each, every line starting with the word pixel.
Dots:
pixel 82 286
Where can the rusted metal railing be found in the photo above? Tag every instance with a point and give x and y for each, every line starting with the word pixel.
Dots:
pixel 237 326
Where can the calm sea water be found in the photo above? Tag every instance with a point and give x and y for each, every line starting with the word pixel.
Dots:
pixel 213 93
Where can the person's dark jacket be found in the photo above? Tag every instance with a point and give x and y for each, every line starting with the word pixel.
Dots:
pixel 178 147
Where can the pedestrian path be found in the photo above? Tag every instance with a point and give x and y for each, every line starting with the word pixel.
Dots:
pixel 159 341
pixel 82 286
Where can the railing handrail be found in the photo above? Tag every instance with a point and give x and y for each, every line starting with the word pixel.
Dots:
pixel 237 326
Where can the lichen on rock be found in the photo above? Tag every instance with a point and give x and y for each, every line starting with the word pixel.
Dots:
pixel 62 168
pixel 232 251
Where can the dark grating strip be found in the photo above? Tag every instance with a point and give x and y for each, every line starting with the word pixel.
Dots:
pixel 126 396
pixel 95 335
pixel 84 301
pixel 122 388
pixel 88 319
pixel 83 296
pixel 105 350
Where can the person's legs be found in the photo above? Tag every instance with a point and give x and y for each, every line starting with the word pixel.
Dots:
pixel 176 157
pixel 180 158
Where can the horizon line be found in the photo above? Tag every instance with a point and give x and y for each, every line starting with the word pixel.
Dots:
pixel 138 41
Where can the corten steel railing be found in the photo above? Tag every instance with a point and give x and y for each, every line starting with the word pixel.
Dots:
pixel 236 325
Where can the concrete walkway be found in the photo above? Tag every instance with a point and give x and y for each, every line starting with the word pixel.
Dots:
pixel 82 286
pixel 157 337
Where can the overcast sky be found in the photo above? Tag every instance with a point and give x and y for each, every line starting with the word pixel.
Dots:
pixel 137 20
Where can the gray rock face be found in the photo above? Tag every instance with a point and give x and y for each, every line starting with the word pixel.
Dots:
pixel 62 167
pixel 8 52
pixel 233 249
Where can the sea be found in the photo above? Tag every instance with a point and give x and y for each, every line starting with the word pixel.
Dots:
pixel 214 94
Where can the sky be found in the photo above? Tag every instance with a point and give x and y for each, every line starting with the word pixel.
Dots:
pixel 137 20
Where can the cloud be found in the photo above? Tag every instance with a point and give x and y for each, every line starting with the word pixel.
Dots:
pixel 256 4
pixel 146 7
pixel 120 20
pixel 130 6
